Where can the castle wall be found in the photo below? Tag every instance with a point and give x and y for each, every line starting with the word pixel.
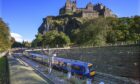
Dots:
pixel 90 15
pixel 91 11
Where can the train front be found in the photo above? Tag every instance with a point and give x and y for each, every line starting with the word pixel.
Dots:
pixel 91 71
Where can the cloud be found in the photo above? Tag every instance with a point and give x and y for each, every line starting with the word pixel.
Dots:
pixel 18 37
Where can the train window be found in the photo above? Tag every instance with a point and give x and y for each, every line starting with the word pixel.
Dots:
pixel 75 67
pixel 64 64
pixel 61 64
pixel 83 69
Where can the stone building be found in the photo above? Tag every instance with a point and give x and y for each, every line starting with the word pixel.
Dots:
pixel 68 13
pixel 90 11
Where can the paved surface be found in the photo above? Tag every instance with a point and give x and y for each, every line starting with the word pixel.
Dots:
pixel 22 73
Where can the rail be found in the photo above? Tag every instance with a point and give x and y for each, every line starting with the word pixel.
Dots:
pixel 39 73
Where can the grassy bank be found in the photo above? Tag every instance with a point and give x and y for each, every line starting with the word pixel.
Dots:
pixel 4 72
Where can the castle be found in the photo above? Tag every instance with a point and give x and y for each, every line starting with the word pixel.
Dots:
pixel 69 14
pixel 90 11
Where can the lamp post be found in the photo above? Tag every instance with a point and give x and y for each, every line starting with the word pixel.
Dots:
pixel 9 52
pixel 89 81
pixel 51 60
pixel 69 70
pixel 50 65
pixel 54 55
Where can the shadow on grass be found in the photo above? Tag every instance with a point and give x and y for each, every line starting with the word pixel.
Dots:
pixel 4 71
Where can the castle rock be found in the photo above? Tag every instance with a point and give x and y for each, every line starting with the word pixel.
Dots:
pixel 70 15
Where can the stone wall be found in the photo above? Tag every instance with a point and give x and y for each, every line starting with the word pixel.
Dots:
pixel 123 61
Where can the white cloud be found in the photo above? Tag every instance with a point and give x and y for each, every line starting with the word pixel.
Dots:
pixel 18 37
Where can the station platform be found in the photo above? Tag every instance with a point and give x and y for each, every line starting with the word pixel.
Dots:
pixel 22 73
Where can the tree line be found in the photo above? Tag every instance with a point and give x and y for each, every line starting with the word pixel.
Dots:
pixel 95 32
pixel 51 39
pixel 102 31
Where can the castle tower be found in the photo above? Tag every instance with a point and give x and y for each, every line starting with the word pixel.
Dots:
pixel 74 5
pixel 68 5
pixel 89 7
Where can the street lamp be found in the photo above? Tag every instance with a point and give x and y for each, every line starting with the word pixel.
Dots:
pixel 51 61
pixel 69 70
pixel 54 55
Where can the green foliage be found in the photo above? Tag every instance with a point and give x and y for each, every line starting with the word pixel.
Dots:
pixel 101 31
pixel 34 43
pixel 96 32
pixel 55 38
pixel 4 72
pixel 75 35
pixel 4 37
pixel 93 32
pixel 52 39
pixel 38 41
pixel 125 29
pixel 17 44
pixel 49 38
pixel 26 44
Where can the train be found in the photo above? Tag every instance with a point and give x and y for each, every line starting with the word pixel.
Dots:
pixel 79 68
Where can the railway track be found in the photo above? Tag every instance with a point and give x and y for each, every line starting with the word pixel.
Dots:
pixel 36 70
pixel 108 79
pixel 111 79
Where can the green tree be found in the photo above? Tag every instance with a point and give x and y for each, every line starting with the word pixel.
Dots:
pixel 135 29
pixel 37 42
pixel 39 39
pixel 4 36
pixel 17 45
pixel 34 43
pixel 26 44
pixel 93 32
pixel 75 35
pixel 54 38
pixel 62 40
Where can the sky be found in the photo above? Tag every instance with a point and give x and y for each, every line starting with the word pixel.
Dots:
pixel 25 16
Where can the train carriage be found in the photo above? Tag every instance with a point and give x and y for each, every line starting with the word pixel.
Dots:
pixel 79 68
pixel 82 69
